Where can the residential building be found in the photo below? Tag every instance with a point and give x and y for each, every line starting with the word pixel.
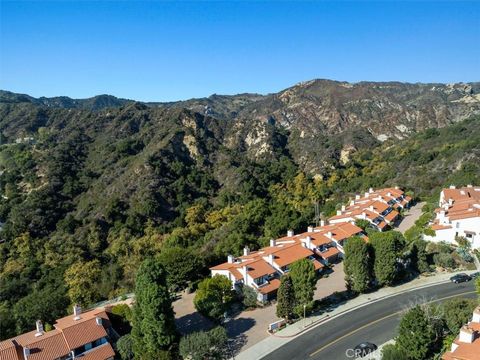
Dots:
pixel 466 346
pixel 262 269
pixel 458 215
pixel 379 207
pixel 79 336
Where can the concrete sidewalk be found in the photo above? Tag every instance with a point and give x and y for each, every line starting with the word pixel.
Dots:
pixel 280 338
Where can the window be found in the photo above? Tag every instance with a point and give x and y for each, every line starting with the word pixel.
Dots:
pixel 88 346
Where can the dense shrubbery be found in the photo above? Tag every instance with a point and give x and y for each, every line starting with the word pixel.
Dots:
pixel 90 199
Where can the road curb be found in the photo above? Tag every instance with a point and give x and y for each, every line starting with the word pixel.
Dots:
pixel 367 302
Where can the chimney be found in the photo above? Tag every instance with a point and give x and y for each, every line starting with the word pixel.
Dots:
pixel 308 242
pixel 476 315
pixel 450 202
pixel 98 320
pixel 343 207
pixel 452 187
pixel 366 194
pixel 357 197
pixel 469 186
pixel 77 310
pixel 396 187
pixel 370 190
pixel 442 213
pixel 371 208
pixel 246 251
pixel 352 203
pixel 310 229
pixel 290 233
pixel 322 222
pixel 270 259
pixel 329 235
pixel 466 334
pixel 273 242
pixel 364 216
pixel 26 352
pixel 230 259
pixel 389 194
pixel 39 326
pixel 339 212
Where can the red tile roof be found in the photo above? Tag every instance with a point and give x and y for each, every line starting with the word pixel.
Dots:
pixel 101 352
pixel 273 285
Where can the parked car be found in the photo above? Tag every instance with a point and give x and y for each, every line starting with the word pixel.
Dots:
pixel 475 275
pixel 459 278
pixel 364 348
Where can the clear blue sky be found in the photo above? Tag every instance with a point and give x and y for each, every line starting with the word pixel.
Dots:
pixel 159 51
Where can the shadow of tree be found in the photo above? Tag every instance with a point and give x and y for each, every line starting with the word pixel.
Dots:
pixel 193 322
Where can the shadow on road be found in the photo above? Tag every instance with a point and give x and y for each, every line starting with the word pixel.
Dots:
pixel 193 322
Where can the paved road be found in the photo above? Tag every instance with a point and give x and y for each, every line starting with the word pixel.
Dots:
pixel 376 323
pixel 411 216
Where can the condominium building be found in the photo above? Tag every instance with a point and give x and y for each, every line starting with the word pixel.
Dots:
pixel 262 269
pixel 379 207
pixel 78 336
pixel 466 345
pixel 458 215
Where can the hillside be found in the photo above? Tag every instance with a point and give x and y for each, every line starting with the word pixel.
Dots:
pixel 100 187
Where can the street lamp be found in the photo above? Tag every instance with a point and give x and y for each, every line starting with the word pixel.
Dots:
pixel 304 312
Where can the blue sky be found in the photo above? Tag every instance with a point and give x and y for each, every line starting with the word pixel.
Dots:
pixel 161 51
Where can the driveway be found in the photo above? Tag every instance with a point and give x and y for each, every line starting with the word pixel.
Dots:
pixel 410 217
pixel 248 327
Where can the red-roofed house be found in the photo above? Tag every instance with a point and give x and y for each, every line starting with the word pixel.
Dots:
pixel 379 207
pixel 81 335
pixel 458 215
pixel 467 344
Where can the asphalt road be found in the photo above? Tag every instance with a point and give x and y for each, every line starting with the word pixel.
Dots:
pixel 376 323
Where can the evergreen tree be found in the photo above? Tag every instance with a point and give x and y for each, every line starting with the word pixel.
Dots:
pixel 204 344
pixel 213 296
pixel 302 273
pixel 358 264
pixel 415 335
pixel 387 247
pixel 285 298
pixel 153 330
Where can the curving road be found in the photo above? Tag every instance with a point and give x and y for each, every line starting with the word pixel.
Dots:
pixel 375 323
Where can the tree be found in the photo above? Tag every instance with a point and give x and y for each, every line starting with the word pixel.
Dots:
pixel 419 256
pixel 358 264
pixel 249 297
pixel 81 279
pixel 285 298
pixel 182 265
pixel 204 345
pixel 213 296
pixel 387 248
pixel 302 273
pixel 457 312
pixel 415 335
pixel 125 347
pixel 153 328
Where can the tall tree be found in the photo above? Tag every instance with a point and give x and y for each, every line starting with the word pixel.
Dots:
pixel 153 328
pixel 213 296
pixel 302 273
pixel 415 335
pixel 82 279
pixel 285 298
pixel 358 264
pixel 387 247
pixel 182 265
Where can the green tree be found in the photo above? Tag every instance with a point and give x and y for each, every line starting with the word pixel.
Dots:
pixel 125 347
pixel 457 312
pixel 285 298
pixel 302 273
pixel 204 345
pixel 182 265
pixel 249 297
pixel 81 279
pixel 153 330
pixel 415 335
pixel 358 264
pixel 419 256
pixel 213 296
pixel 387 247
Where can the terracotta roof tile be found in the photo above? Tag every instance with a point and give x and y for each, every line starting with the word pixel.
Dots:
pixel 273 285
pixel 259 268
pixel 102 352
